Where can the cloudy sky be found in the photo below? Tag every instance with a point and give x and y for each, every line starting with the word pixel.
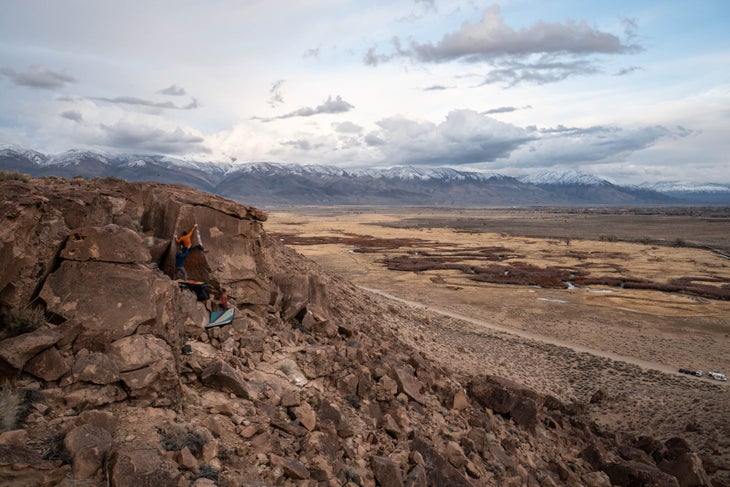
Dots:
pixel 628 90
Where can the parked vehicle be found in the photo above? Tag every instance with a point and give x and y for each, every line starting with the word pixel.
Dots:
pixel 698 373
pixel 717 376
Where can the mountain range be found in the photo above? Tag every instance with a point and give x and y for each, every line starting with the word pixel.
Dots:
pixel 277 184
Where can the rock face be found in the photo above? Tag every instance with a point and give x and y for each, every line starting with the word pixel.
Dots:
pixel 310 384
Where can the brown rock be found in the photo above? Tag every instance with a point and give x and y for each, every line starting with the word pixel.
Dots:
pixel 461 400
pixel 305 415
pixel 387 472
pixel 688 469
pixel 88 447
pixel 137 351
pixel 48 365
pixel 94 395
pixel 595 454
pixel 438 470
pixel 97 368
pixel 18 350
pixel 417 477
pixel 409 384
pixel 508 398
pixel 187 460
pixel 99 419
pixel 87 291
pixel 329 411
pixel 109 243
pixel 595 479
pixel 293 468
pixel 14 437
pixel 390 426
pixel 219 375
pixel 135 468
pixel 629 474
pixel 290 398
pixel 22 466
pixel 455 455
pixel 31 235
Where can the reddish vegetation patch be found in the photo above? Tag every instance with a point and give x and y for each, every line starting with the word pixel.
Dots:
pixel 521 273
pixel 360 243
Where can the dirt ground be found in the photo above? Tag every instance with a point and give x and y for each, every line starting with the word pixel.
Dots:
pixel 491 291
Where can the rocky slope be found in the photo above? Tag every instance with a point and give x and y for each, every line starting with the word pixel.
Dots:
pixel 118 382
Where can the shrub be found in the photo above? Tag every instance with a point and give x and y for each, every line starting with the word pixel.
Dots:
pixel 16 321
pixel 11 408
pixel 53 448
pixel 13 176
pixel 177 436
pixel 206 472
pixel 286 368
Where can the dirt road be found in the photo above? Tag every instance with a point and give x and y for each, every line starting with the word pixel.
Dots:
pixel 533 336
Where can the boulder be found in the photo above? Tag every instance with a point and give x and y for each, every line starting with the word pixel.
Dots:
pixel 31 235
pixel 293 468
pixel 630 474
pixel 140 467
pixel 387 472
pixel 220 375
pixel 409 384
pixel 110 243
pixel 88 446
pixel 105 297
pixel 18 350
pixel 96 368
pixel 507 398
pixel 688 469
pixel 48 365
pixel 22 466
pixel 438 470
pixel 94 395
pixel 99 419
pixel 329 411
pixel 138 351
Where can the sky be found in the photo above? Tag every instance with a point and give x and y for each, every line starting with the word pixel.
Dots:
pixel 632 91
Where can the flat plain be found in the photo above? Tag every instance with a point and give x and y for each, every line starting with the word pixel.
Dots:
pixel 601 306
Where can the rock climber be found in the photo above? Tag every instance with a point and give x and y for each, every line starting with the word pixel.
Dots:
pixel 186 239
pixel 223 302
pixel 180 255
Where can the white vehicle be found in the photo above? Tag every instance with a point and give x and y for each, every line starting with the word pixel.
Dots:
pixel 717 376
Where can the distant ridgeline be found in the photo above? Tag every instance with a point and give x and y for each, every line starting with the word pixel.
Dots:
pixel 269 184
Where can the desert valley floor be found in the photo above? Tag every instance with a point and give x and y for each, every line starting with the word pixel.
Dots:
pixel 600 306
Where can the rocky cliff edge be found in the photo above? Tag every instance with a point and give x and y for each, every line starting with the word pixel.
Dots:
pixel 117 381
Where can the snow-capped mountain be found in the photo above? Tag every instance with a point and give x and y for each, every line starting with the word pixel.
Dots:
pixel 566 176
pixel 272 184
pixel 702 193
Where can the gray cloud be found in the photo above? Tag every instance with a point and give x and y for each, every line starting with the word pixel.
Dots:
pixel 435 88
pixel 577 146
pixel 547 52
pixel 373 140
pixel 141 138
pixel 173 90
pixel 132 100
pixel 504 110
pixel 301 144
pixel 465 137
pixel 337 105
pixel 73 115
pixel 38 77
pixel 275 96
pixel 491 37
pixel 539 72
pixel 629 70
pixel 313 52
pixel 347 127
